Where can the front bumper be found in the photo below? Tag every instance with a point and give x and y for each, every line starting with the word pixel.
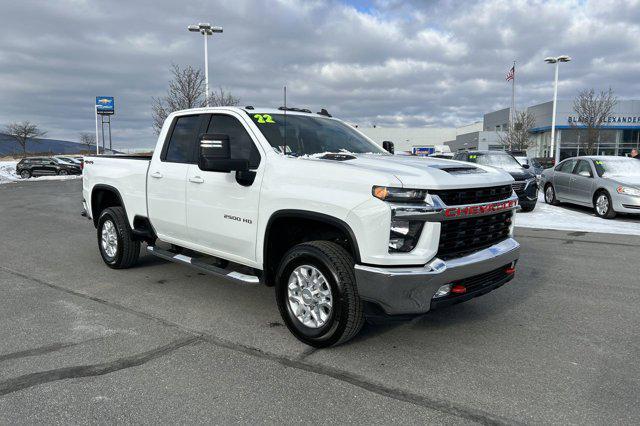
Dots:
pixel 410 290
pixel 626 203
pixel 529 193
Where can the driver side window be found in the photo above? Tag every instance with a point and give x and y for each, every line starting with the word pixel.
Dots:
pixel 583 169
pixel 241 145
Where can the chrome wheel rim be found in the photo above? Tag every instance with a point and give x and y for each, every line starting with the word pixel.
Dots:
pixel 63 172
pixel 309 295
pixel 109 238
pixel 549 194
pixel 24 175
pixel 602 204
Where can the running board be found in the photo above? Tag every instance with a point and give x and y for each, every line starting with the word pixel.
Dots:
pixel 202 266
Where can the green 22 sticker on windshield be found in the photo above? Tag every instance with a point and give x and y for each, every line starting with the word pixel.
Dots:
pixel 263 118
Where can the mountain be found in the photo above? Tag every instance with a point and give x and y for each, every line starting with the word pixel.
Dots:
pixel 9 146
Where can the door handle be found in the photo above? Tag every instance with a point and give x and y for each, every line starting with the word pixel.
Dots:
pixel 156 175
pixel 196 179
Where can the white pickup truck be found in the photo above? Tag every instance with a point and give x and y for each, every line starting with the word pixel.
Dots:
pixel 308 204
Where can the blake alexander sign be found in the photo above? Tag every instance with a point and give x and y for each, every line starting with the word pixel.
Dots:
pixel 627 119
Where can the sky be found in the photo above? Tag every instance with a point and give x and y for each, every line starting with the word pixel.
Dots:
pixel 390 63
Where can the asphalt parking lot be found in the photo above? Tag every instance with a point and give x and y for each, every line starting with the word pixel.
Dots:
pixel 80 342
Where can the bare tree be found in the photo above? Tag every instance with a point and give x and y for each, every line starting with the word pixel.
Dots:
pixel 186 90
pixel 88 139
pixel 22 132
pixel 592 112
pixel 222 98
pixel 518 137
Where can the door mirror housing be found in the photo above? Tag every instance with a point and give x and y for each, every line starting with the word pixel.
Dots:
pixel 526 166
pixel 388 146
pixel 215 155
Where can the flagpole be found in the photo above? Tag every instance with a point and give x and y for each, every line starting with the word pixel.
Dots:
pixel 513 99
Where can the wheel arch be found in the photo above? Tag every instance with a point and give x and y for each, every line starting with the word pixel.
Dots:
pixel 102 197
pixel 597 191
pixel 306 226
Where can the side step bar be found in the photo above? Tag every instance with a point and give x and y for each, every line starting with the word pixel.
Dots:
pixel 203 266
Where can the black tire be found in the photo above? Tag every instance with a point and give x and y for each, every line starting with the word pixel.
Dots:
pixel 336 265
pixel 62 172
pixel 550 195
pixel 528 207
pixel 609 213
pixel 25 174
pixel 127 248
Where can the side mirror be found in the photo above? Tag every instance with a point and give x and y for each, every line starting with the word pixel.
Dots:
pixel 388 146
pixel 526 166
pixel 215 155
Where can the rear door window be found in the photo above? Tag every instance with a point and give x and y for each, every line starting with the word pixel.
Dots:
pixel 180 147
pixel 567 166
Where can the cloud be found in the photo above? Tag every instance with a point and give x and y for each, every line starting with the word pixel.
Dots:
pixel 388 62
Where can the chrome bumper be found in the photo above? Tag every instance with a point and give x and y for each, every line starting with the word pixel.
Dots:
pixel 409 290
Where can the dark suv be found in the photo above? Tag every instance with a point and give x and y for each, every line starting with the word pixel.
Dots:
pixel 525 185
pixel 45 166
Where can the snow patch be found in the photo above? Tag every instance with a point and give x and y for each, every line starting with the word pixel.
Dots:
pixel 568 217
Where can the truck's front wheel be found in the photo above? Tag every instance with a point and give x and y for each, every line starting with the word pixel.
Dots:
pixel 317 294
pixel 118 248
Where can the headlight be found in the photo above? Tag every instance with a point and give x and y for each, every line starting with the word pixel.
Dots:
pixel 628 191
pixel 399 195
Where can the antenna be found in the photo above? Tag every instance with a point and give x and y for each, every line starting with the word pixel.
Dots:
pixel 285 119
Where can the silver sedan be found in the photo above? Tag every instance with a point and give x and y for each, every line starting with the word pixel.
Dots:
pixel 608 184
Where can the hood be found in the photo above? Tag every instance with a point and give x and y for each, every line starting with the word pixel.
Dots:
pixel 423 172
pixel 625 180
pixel 520 173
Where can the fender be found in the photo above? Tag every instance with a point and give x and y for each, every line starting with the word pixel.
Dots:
pixel 320 217
pixel 93 200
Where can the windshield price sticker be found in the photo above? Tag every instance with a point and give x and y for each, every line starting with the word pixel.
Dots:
pixel 263 118
pixel 473 156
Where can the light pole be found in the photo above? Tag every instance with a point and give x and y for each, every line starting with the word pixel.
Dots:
pixel 555 148
pixel 206 30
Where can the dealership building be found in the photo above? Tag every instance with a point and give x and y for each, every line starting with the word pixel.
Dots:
pixel 619 134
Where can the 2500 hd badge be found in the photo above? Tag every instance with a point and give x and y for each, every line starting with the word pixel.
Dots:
pixel 238 219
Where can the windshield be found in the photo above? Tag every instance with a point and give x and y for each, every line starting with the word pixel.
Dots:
pixel 617 167
pixel 494 160
pixel 308 135
pixel 523 160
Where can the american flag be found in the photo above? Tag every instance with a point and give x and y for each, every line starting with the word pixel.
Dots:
pixel 512 73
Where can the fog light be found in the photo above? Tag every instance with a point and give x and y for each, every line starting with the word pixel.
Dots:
pixel 443 291
pixel 404 235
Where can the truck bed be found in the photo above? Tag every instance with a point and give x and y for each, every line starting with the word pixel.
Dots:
pixel 123 156
pixel 126 173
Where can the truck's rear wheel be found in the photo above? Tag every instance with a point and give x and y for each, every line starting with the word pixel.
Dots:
pixel 317 294
pixel 118 248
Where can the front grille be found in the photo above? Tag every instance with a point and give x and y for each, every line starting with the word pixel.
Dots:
pixel 457 197
pixel 460 237
pixel 518 186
